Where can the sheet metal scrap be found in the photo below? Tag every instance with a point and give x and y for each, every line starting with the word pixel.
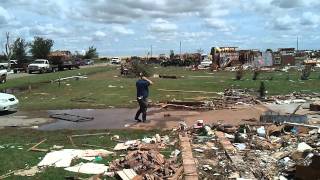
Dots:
pixel 71 117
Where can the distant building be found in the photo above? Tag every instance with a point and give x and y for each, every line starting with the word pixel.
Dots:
pixel 225 56
pixel 248 56
pixel 284 57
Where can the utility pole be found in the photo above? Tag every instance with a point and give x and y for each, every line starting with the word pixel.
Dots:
pixel 297 43
pixel 180 50
pixel 151 51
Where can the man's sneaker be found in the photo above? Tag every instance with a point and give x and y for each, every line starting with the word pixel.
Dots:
pixel 138 120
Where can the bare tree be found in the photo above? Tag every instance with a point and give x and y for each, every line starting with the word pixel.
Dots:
pixel 8 49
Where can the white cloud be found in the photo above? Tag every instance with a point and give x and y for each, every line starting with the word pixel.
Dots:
pixel 218 24
pixel 100 34
pixel 310 19
pixel 287 3
pixel 122 30
pixel 48 29
pixel 285 22
pixel 162 26
pixel 4 16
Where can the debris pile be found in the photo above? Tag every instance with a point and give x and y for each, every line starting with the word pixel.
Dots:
pixel 226 99
pixel 150 164
pixel 266 151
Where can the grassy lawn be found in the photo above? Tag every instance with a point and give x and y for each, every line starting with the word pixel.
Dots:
pixel 104 88
pixel 13 158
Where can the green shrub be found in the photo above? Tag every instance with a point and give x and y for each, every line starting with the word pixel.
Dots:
pixel 255 74
pixel 305 73
pixel 262 90
pixel 138 67
pixel 239 73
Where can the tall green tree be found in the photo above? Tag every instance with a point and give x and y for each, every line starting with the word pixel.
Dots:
pixel 91 53
pixel 40 47
pixel 8 49
pixel 171 54
pixel 19 50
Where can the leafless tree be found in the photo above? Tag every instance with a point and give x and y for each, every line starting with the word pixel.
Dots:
pixel 8 49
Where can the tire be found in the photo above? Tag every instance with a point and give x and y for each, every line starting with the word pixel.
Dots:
pixel 41 71
pixel 29 72
pixel 1 67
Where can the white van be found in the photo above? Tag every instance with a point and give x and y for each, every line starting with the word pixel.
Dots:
pixel 115 60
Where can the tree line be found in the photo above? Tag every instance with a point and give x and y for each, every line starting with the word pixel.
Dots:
pixel 39 48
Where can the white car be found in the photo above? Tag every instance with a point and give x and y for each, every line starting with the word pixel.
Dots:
pixel 8 102
pixel 115 60
pixel 205 64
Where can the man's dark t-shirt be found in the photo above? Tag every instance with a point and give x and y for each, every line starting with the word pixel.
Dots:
pixel 142 88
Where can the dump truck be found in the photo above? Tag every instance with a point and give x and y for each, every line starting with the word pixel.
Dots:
pixel 63 60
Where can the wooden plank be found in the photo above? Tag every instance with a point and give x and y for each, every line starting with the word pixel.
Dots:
pixel 36 145
pixel 39 150
pixel 177 174
pixel 176 90
pixel 95 134
pixel 130 173
pixel 71 140
pixel 123 175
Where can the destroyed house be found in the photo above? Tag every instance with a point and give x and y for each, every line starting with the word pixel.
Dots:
pixel 248 56
pixel 286 55
pixel 225 56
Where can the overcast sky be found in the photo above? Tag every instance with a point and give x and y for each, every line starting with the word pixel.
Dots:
pixel 130 27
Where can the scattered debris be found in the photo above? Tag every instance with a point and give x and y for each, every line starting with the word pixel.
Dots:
pixel 64 157
pixel 28 172
pixel 71 77
pixel 149 164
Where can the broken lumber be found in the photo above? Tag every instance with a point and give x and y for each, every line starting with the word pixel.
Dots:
pixel 230 151
pixel 34 147
pixel 300 124
pixel 95 134
pixel 168 77
pixel 177 174
pixel 225 143
pixel 71 77
pixel 183 91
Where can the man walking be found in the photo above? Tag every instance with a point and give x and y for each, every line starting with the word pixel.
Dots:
pixel 142 97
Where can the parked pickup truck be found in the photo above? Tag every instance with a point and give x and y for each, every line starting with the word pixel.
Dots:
pixel 3 75
pixel 41 66
pixel 4 65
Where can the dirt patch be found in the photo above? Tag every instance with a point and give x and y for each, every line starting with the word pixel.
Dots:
pixel 122 118
pixel 228 116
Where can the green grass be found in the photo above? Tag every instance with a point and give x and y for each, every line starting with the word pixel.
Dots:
pixel 14 158
pixel 99 91
pixel 47 77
